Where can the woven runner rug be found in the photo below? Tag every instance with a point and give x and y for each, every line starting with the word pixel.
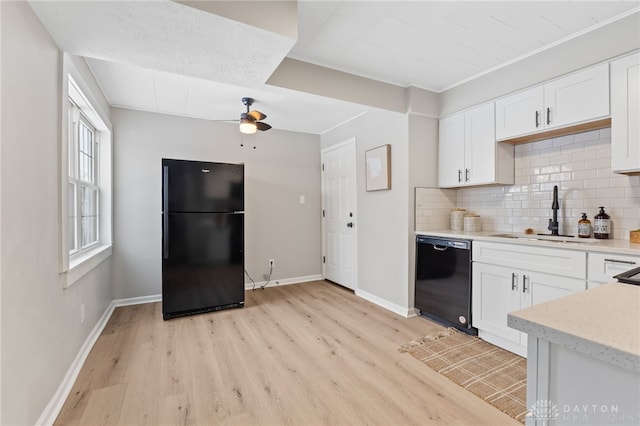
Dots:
pixel 493 374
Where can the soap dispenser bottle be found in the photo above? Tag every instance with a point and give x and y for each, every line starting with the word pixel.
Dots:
pixel 602 225
pixel 584 227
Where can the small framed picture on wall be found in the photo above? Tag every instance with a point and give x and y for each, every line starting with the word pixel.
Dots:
pixel 378 166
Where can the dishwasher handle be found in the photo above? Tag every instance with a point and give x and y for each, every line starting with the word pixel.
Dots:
pixel 440 248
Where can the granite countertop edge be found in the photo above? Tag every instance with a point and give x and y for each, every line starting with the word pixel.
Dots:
pixel 603 352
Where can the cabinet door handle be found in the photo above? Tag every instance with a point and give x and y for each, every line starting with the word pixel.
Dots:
pixel 466 175
pixel 626 262
pixel 525 288
pixel 459 175
pixel 537 119
pixel 548 115
pixel 514 281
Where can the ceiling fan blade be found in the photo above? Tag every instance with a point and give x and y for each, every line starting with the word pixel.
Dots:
pixel 262 126
pixel 257 115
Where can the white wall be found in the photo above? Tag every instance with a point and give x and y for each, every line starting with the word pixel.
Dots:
pixel 284 166
pixel 423 171
pixel 41 330
pixel 382 216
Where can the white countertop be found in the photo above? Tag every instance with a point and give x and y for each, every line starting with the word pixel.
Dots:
pixel 594 245
pixel 603 322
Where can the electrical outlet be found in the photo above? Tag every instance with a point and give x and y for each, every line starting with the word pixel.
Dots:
pixel 82 312
pixel 272 263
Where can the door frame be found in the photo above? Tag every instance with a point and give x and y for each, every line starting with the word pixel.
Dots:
pixel 348 142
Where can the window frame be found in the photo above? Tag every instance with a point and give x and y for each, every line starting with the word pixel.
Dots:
pixel 78 118
pixel 74 264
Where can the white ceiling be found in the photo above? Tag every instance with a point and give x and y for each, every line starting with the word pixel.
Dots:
pixel 163 56
pixel 138 88
pixel 435 45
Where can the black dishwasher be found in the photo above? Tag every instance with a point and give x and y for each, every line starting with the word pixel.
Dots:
pixel 443 281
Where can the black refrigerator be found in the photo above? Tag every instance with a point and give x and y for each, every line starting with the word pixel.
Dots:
pixel 202 237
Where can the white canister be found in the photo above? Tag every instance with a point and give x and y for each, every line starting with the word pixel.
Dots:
pixel 473 223
pixel 457 217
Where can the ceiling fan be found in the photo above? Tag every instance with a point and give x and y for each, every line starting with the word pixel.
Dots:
pixel 250 121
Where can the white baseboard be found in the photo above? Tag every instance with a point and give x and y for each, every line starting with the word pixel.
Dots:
pixel 413 313
pixel 51 411
pixel 503 343
pixel 284 281
pixel 137 300
pixel 400 310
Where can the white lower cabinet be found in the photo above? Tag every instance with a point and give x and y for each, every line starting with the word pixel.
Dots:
pixel 498 290
pixel 513 280
pixel 604 266
pixel 495 293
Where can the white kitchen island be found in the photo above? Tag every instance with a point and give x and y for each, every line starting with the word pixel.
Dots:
pixel 583 357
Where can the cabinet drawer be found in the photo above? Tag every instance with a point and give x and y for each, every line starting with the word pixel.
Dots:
pixel 603 266
pixel 568 263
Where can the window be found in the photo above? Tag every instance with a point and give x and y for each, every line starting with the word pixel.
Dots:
pixel 83 182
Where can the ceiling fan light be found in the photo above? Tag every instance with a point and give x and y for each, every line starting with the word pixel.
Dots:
pixel 247 126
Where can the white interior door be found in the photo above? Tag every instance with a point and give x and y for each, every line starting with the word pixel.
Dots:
pixel 339 215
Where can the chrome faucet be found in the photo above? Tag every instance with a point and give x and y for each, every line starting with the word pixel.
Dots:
pixel 553 223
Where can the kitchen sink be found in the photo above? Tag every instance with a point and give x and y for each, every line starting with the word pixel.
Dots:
pixel 559 239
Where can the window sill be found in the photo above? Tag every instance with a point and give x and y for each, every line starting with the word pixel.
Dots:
pixel 79 266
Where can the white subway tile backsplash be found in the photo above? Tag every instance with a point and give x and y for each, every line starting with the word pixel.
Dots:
pixel 571 185
pixel 563 140
pixel 581 175
pixel 534 160
pixel 581 167
pixel 559 177
pixel 598 163
pixel 543 144
pixel 583 155
pixel 561 158
pixel 530 204
pixel 587 136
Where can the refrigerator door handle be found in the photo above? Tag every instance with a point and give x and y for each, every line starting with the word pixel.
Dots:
pixel 165 212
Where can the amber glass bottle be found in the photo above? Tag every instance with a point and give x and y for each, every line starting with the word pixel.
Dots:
pixel 584 227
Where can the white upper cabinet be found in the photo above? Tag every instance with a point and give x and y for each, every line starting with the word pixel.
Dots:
pixel 579 97
pixel 625 114
pixel 520 113
pixel 451 150
pixel 468 152
pixel 480 145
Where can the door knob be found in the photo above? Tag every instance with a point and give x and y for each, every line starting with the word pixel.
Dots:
pixel 350 225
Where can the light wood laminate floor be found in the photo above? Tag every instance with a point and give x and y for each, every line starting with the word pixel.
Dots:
pixel 305 354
